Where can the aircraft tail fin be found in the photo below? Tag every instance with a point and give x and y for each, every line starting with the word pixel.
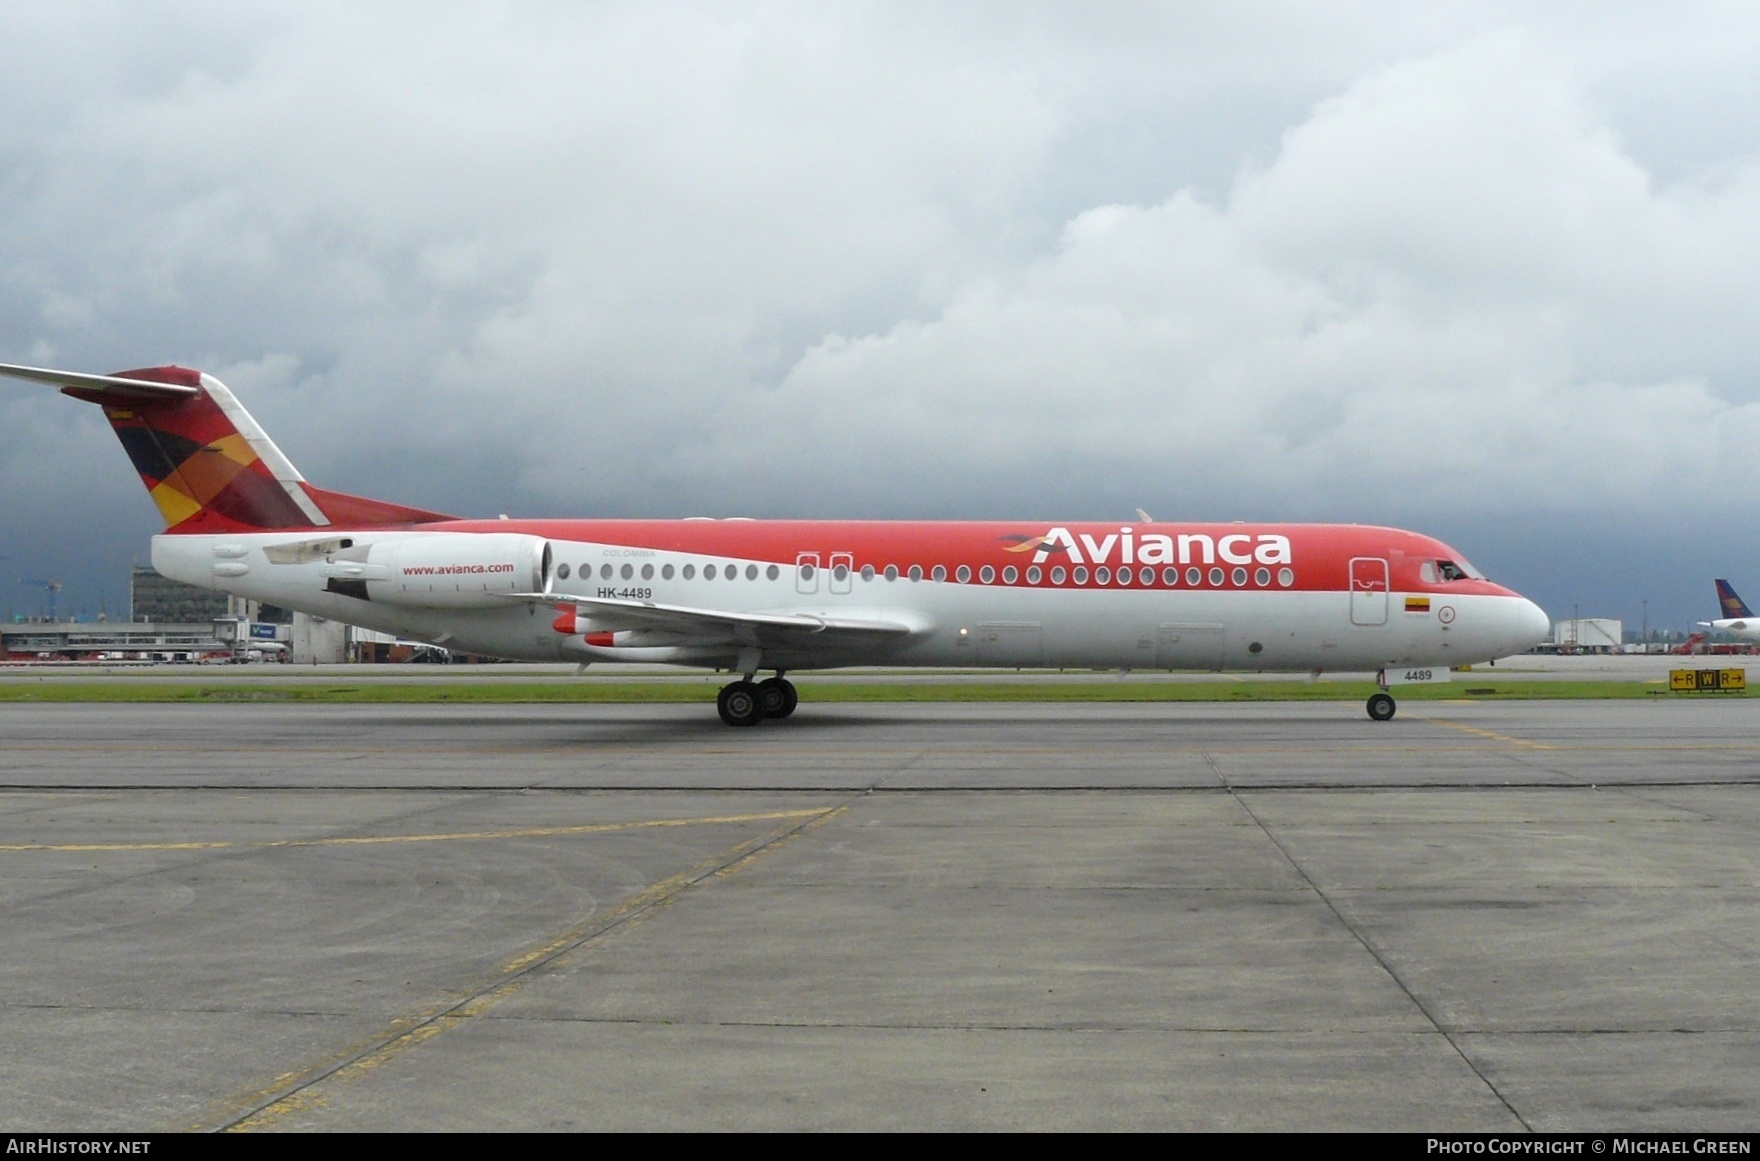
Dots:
pixel 1731 603
pixel 205 461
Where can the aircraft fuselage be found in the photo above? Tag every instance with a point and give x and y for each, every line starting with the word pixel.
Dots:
pixel 1146 596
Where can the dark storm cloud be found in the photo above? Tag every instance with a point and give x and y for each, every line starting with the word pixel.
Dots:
pixel 1481 267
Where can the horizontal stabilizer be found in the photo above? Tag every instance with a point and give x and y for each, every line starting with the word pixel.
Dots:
pixel 111 385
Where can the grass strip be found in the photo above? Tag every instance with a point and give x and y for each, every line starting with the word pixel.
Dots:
pixel 589 691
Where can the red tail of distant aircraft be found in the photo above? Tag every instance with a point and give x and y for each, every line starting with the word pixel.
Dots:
pixel 753 595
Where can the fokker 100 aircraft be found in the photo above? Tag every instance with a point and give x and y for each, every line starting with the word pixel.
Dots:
pixel 753 595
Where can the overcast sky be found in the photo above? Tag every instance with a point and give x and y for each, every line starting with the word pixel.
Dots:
pixel 1488 271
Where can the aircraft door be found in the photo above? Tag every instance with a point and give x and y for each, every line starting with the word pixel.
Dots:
pixel 806 572
pixel 843 564
pixel 1368 590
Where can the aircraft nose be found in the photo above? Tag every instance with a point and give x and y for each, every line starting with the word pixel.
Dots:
pixel 1531 625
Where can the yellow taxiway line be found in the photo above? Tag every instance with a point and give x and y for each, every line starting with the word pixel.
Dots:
pixel 451 836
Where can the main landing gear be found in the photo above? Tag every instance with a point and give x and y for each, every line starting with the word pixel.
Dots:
pixel 1381 707
pixel 746 703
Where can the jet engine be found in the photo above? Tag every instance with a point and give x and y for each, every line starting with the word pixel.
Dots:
pixel 443 570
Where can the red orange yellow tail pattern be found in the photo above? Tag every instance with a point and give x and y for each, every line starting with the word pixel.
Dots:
pixel 206 476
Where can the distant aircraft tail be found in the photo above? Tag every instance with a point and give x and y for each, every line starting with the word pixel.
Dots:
pixel 206 463
pixel 1732 604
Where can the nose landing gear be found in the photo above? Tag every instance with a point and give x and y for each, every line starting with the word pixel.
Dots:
pixel 1381 707
pixel 746 703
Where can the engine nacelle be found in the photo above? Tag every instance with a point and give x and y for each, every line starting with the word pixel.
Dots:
pixel 455 570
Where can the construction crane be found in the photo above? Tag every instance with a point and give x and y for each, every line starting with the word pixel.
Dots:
pixel 50 586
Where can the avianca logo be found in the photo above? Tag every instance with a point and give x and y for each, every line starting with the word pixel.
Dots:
pixel 1156 548
pixel 455 569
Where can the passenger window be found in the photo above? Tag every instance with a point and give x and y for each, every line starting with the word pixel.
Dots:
pixel 916 572
pixel 647 572
pixel 690 570
pixel 940 572
pixel 1033 574
pixel 807 572
pixel 839 572
pixel 731 572
pixel 892 572
pixel 1146 575
pixel 1194 576
pixel 1124 576
pixel 1009 575
pixel 562 572
pixel 1262 577
pixel 629 570
pixel 1170 576
pixel 986 574
pixel 1102 575
pixel 1057 574
pixel 1079 574
pixel 708 572
pixel 964 574
pixel 772 573
pixel 1239 576
pixel 867 572
pixel 1286 577
pixel 604 572
pixel 1216 576
pixel 751 572
pixel 666 572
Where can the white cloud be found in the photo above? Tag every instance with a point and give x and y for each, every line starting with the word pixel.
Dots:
pixel 1450 291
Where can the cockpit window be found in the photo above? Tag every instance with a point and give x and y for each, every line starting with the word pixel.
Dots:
pixel 1433 571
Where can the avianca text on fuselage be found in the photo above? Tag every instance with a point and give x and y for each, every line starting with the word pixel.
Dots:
pixel 1159 547
pixel 751 595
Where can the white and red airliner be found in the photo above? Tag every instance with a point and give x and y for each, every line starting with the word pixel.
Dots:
pixel 755 595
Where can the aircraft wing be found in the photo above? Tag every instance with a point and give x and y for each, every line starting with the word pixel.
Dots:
pixel 714 626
